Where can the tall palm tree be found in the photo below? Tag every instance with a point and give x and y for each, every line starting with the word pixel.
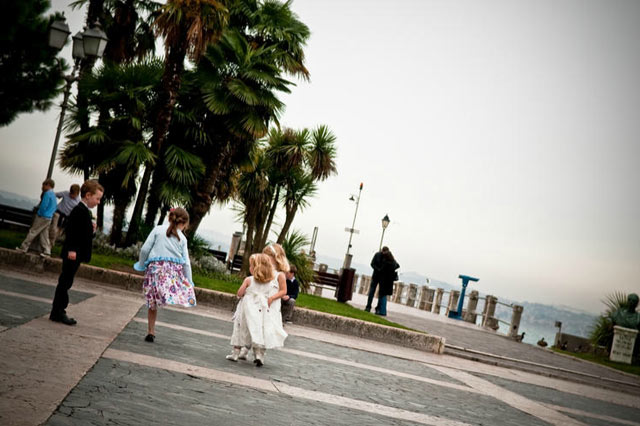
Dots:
pixel 300 186
pixel 237 84
pixel 125 95
pixel 253 192
pixel 187 26
pixel 318 164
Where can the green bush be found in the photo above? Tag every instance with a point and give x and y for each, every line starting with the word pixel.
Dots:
pixel 602 330
pixel 293 246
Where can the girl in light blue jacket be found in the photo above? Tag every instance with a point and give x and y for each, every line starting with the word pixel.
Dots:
pixel 165 259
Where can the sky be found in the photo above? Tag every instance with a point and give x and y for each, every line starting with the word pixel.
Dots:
pixel 500 136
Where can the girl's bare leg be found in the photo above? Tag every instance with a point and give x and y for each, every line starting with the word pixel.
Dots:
pixel 152 314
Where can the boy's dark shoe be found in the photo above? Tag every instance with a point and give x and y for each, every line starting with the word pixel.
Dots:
pixel 63 319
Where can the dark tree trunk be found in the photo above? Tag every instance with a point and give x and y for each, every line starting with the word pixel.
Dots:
pixel 119 209
pixel 167 98
pixel 153 201
pixel 95 13
pixel 272 213
pixel 121 47
pixel 134 225
pixel 203 197
pixel 163 214
pixel 291 214
pixel 248 248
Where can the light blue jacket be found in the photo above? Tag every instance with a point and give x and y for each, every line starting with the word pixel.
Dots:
pixel 160 247
pixel 48 205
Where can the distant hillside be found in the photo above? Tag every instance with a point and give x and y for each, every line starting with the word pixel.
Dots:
pixel 16 200
pixel 538 320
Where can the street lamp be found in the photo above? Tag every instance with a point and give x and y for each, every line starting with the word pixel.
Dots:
pixel 90 43
pixel 352 230
pixel 385 223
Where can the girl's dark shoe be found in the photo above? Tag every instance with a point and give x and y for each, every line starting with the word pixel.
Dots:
pixel 149 338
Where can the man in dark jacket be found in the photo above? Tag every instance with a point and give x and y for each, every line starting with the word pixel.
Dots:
pixel 289 300
pixel 376 263
pixel 76 248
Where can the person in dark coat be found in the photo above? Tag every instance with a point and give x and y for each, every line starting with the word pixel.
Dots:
pixel 388 275
pixel 76 248
pixel 376 264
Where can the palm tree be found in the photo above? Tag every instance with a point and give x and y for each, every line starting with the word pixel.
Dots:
pixel 253 192
pixel 300 187
pixel 294 246
pixel 238 85
pixel 316 163
pixel 602 329
pixel 187 26
pixel 125 96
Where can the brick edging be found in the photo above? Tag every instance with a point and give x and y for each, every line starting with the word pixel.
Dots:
pixel 305 317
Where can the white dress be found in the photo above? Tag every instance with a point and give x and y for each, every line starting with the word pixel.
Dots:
pixel 254 322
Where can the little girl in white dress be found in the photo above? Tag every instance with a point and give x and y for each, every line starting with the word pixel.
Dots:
pixel 257 322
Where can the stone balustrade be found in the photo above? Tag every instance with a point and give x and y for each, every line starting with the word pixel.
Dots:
pixel 470 314
pixel 454 295
pixel 412 295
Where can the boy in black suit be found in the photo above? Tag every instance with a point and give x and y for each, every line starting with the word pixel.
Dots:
pixel 76 248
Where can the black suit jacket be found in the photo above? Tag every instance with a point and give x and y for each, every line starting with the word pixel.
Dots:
pixel 79 233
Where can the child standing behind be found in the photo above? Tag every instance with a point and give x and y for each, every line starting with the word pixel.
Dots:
pixel 70 199
pixel 165 259
pixel 40 226
pixel 280 263
pixel 257 321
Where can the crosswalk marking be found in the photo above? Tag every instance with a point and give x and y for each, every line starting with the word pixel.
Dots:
pixel 282 388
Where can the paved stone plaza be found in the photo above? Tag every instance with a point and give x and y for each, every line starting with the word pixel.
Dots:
pixel 102 372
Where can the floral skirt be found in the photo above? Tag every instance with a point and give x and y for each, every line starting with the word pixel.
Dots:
pixel 165 284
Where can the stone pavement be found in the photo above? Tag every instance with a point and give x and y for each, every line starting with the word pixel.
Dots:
pixel 102 372
pixel 505 351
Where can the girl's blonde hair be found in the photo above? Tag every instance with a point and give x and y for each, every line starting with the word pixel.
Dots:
pixel 176 217
pixel 261 268
pixel 277 254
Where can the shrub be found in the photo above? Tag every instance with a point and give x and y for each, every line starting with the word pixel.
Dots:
pixel 602 330
pixel 293 246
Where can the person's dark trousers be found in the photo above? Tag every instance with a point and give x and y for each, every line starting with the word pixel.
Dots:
pixel 61 298
pixel 287 309
pixel 382 306
pixel 372 292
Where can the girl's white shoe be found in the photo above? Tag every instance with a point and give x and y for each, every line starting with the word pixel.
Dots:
pixel 243 353
pixel 234 355
pixel 258 355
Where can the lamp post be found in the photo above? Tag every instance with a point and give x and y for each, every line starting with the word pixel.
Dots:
pixel 352 230
pixel 385 223
pixel 90 43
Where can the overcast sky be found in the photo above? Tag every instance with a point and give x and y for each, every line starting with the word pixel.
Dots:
pixel 501 138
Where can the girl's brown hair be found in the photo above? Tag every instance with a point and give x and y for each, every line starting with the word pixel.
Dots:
pixel 176 217
pixel 261 268
pixel 279 257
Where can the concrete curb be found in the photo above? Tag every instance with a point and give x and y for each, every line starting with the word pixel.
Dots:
pixel 305 317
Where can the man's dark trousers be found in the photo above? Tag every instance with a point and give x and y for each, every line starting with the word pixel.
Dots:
pixel 375 280
pixel 61 298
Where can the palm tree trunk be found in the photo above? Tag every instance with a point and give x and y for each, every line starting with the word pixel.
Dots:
pixel 174 65
pixel 203 197
pixel 119 209
pixel 153 201
pixel 291 214
pixel 134 225
pixel 248 248
pixel 272 213
pixel 163 214
pixel 95 13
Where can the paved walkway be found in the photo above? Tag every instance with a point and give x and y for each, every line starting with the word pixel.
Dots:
pixel 102 372
pixel 532 358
